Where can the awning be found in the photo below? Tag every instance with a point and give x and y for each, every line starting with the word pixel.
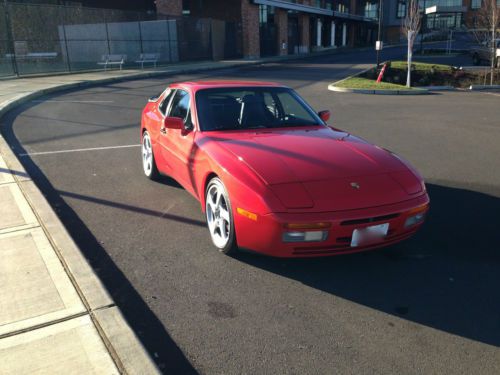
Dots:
pixel 292 6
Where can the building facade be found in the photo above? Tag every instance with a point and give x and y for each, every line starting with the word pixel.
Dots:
pixel 279 27
pixel 438 16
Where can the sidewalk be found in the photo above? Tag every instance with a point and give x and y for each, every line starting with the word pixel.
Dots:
pixel 55 315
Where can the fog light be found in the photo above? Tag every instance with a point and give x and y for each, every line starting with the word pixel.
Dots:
pixel 415 219
pixel 309 236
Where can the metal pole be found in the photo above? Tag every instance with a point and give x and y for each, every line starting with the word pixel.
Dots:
pixel 379 30
pixel 140 32
pixel 10 39
pixel 66 46
pixel 107 32
pixel 424 25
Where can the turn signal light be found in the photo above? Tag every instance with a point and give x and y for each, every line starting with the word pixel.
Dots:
pixel 247 214
pixel 300 226
pixel 422 208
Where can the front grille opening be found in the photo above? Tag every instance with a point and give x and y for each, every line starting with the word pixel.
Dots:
pixel 369 220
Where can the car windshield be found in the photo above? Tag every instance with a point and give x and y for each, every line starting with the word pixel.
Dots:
pixel 252 108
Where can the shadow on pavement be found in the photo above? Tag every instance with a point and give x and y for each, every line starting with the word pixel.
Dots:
pixel 148 328
pixel 446 277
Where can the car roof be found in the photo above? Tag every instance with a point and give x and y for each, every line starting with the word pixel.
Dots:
pixel 197 85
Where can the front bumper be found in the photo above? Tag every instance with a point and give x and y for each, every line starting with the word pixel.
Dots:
pixel 264 235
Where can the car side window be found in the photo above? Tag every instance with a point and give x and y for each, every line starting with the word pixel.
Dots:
pixel 180 105
pixel 164 104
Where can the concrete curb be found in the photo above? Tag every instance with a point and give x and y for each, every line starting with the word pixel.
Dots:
pixel 439 88
pixel 484 87
pixel 124 347
pixel 419 91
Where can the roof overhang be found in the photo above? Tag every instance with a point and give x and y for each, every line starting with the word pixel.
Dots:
pixel 354 17
pixel 292 6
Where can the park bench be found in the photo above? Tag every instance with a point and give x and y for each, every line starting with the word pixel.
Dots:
pixel 108 60
pixel 148 58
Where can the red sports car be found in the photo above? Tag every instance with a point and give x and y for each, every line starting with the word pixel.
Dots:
pixel 272 177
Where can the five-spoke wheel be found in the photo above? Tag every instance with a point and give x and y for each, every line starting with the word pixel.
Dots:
pixel 220 217
pixel 148 159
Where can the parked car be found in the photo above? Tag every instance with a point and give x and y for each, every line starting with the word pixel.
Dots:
pixel 482 52
pixel 272 177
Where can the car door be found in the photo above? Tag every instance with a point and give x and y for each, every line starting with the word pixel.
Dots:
pixel 177 145
pixel 154 121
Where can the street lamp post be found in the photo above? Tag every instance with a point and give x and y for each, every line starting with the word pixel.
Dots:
pixel 422 30
pixel 379 32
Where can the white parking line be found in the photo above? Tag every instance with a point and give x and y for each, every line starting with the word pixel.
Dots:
pixel 77 150
pixel 492 93
pixel 73 101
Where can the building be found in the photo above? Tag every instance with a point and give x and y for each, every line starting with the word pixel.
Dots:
pixel 440 16
pixel 279 27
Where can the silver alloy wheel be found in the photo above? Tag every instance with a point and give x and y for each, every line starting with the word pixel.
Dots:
pixel 147 154
pixel 218 218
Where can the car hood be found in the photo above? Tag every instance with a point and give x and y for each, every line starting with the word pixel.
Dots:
pixel 309 155
pixel 323 168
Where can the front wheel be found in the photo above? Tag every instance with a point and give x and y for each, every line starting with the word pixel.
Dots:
pixel 148 159
pixel 220 217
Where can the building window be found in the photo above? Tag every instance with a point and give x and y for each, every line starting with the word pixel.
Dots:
pixel 342 7
pixel 371 10
pixel 401 10
pixel 441 3
pixel 475 4
pixel 266 14
pixel 186 8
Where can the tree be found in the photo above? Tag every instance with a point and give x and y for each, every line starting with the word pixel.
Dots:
pixel 485 29
pixel 411 27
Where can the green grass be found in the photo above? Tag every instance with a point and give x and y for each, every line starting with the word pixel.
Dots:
pixel 368 84
pixel 363 83
pixel 420 66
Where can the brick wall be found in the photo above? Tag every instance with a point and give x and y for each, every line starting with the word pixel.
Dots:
pixel 169 7
pixel 250 28
pixel 304 33
pixel 281 19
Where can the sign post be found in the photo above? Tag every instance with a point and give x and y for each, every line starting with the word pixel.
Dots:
pixel 379 45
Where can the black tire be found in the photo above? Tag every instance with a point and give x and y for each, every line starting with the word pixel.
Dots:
pixel 148 166
pixel 230 246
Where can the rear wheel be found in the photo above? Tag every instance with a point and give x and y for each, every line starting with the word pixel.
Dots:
pixel 148 159
pixel 220 217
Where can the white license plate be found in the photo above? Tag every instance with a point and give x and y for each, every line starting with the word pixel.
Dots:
pixel 364 236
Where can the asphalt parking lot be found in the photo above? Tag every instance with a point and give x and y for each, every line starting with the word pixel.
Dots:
pixel 428 305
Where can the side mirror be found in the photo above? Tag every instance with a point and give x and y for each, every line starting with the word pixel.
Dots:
pixel 324 115
pixel 173 123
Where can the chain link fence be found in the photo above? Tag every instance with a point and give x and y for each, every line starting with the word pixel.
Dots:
pixel 42 39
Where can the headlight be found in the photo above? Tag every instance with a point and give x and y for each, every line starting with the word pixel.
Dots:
pixel 416 215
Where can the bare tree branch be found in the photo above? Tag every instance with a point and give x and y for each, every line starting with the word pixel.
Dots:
pixel 484 27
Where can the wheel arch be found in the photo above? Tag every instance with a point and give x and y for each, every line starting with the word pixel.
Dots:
pixel 209 176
